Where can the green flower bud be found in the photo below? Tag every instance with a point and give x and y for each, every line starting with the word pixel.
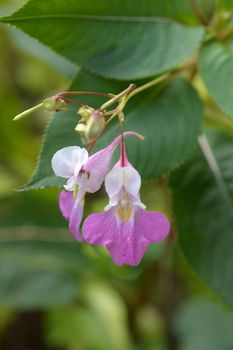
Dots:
pixel 92 128
pixel 81 128
pixel 85 113
pixel 55 105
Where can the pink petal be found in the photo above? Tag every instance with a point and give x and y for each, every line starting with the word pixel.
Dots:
pixel 129 246
pixel 75 220
pixel 153 225
pixel 66 203
pixel 126 241
pixel 72 210
pixel 123 161
pixel 99 228
pixel 97 167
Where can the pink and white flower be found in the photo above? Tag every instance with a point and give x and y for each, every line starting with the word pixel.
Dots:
pixel 125 228
pixel 84 173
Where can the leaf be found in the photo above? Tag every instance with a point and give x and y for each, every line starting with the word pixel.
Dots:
pixel 113 38
pixel 204 215
pixel 225 5
pixel 170 123
pixel 35 254
pixel 202 325
pixel 33 47
pixel 39 274
pixel 216 67
pixel 37 289
pixel 17 210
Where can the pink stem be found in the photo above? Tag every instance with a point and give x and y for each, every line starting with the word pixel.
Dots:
pixel 123 151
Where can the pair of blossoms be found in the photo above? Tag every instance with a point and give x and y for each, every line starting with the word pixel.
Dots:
pixel 125 228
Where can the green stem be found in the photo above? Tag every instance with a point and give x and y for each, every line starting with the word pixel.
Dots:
pixel 198 13
pixel 216 117
pixel 118 97
pixel 28 111
pixel 225 33
pixel 149 84
pixel 119 109
pixel 111 118
pixel 134 92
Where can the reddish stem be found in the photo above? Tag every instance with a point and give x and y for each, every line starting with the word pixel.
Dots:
pixel 69 93
pixel 123 153
pixel 92 145
pixel 74 102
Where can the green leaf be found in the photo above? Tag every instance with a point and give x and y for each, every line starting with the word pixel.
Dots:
pixel 225 5
pixel 17 210
pixel 170 122
pixel 202 325
pixel 35 48
pixel 33 289
pixel 113 38
pixel 216 67
pixel 39 274
pixel 204 214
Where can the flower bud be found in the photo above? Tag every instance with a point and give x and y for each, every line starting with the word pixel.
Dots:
pixel 92 127
pixel 55 105
pixel 85 113
pixel 81 129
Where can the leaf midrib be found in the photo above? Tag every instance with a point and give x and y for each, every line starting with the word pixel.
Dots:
pixel 107 18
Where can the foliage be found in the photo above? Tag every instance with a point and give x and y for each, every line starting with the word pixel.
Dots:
pixel 204 213
pixel 203 325
pixel 186 119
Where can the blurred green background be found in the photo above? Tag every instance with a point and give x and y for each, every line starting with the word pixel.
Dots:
pixel 56 294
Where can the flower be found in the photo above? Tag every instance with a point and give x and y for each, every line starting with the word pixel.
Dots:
pixel 125 228
pixel 83 174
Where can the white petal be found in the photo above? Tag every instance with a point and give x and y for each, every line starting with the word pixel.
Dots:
pixel 81 160
pixel 132 181
pixel 137 201
pixel 113 201
pixel 113 183
pixel 70 184
pixel 119 178
pixel 69 160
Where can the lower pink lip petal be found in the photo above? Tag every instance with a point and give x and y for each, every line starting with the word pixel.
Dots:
pixel 66 203
pixel 126 241
pixel 127 247
pixel 99 229
pixel 153 225
pixel 123 246
pixel 75 220
pixel 134 236
pixel 72 211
